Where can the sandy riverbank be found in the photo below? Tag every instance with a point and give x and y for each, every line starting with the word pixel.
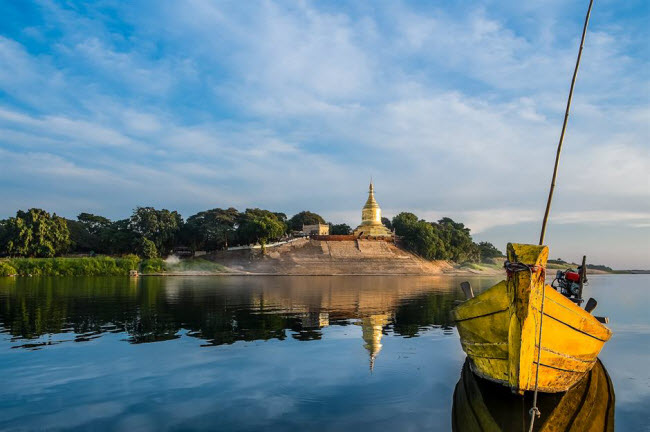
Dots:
pixel 330 258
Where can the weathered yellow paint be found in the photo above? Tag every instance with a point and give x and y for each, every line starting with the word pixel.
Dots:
pixel 500 329
pixel 480 405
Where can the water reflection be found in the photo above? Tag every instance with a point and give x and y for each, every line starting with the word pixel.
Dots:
pixel 481 405
pixel 293 351
pixel 223 310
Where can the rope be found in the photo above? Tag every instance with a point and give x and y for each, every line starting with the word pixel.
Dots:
pixel 534 411
pixel 511 268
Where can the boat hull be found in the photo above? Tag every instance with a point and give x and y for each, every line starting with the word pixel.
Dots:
pixel 500 330
pixel 481 405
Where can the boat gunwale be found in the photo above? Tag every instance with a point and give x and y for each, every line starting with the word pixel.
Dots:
pixel 574 328
pixel 478 316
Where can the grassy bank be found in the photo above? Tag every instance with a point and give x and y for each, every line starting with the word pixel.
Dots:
pixel 194 265
pixel 97 266
pixel 101 266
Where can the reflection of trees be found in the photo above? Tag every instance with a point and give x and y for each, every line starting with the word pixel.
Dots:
pixel 431 309
pixel 33 307
pixel 156 309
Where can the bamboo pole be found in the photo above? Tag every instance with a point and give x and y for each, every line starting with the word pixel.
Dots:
pixel 566 119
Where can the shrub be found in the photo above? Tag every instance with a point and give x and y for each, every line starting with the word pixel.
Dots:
pixel 129 262
pixel 7 269
pixel 154 265
pixel 147 248
pixel 96 266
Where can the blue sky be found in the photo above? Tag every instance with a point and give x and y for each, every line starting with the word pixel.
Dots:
pixel 454 108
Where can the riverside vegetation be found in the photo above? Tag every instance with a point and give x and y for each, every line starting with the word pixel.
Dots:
pixel 34 241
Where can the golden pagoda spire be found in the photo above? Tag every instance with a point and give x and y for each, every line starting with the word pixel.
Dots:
pixel 371 226
pixel 374 213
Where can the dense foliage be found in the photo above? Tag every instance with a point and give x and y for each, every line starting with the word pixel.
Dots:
pixel 259 226
pixel 152 233
pixel 99 266
pixel 488 251
pixel 158 226
pixel 441 240
pixel 340 229
pixel 34 233
pixel 304 218
pixel 211 229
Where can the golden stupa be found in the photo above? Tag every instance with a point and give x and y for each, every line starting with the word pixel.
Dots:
pixel 371 225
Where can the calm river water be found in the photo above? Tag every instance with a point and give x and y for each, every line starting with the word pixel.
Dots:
pixel 268 353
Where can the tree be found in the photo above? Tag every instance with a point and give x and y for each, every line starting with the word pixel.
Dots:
pixel 159 226
pixel 35 233
pixel 259 226
pixel 387 223
pixel 419 236
pixel 487 251
pixel 282 217
pixel 304 218
pixel 121 238
pixel 402 221
pixel 93 223
pixel 90 233
pixel 424 241
pixel 457 240
pixel 340 229
pixel 147 248
pixel 210 229
pixel 80 239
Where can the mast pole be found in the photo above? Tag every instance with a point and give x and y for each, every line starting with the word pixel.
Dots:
pixel 566 118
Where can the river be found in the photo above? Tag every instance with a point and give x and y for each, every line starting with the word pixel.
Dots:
pixel 267 353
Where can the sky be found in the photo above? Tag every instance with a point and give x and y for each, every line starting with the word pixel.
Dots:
pixel 453 108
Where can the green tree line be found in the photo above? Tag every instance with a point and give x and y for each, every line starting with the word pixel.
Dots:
pixel 441 240
pixel 150 233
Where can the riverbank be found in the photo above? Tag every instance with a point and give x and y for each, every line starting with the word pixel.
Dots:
pixel 105 266
pixel 305 257
pixel 312 257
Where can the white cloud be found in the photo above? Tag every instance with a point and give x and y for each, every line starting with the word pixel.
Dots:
pixel 203 105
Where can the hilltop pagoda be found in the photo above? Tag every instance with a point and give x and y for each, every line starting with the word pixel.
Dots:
pixel 371 226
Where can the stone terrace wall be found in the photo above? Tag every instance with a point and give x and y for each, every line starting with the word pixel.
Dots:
pixel 333 237
pixel 316 257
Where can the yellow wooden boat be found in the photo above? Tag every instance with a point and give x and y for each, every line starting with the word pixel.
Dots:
pixel 501 328
pixel 481 405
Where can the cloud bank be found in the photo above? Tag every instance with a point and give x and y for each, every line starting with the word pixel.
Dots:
pixel 455 110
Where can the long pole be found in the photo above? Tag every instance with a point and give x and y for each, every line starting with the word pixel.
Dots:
pixel 566 119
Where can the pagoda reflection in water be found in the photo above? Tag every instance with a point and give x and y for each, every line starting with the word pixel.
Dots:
pixel 222 310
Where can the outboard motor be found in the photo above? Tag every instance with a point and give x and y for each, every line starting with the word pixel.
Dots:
pixel 568 283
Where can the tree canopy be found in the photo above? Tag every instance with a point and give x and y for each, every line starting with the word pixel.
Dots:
pixel 340 229
pixel 150 232
pixel 35 233
pixel 458 242
pixel 488 251
pixel 304 218
pixel 259 226
pixel 443 240
pixel 159 226
pixel 211 229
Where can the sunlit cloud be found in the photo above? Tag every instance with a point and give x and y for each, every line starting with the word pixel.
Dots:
pixel 455 110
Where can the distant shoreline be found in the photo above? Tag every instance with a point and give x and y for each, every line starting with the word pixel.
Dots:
pixel 304 257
